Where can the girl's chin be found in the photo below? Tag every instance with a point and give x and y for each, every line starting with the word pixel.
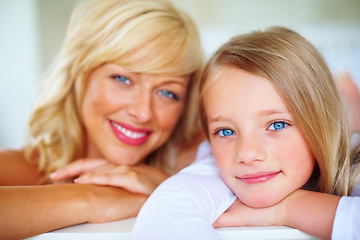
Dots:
pixel 261 202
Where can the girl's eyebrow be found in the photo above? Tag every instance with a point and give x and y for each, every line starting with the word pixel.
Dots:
pixel 219 119
pixel 270 112
pixel 264 113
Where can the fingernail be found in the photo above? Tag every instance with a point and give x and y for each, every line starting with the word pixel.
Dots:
pixel 53 175
pixel 78 180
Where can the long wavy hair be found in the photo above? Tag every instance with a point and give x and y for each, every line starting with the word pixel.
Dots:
pixel 147 36
pixel 301 77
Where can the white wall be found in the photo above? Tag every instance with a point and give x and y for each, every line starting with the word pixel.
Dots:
pixel 333 26
pixel 19 68
pixel 31 32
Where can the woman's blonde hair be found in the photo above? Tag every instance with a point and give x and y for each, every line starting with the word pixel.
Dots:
pixel 147 36
pixel 300 75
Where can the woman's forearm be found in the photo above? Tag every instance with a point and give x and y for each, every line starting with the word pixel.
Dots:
pixel 311 212
pixel 31 210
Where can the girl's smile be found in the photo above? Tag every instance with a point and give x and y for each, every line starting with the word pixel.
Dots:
pixel 258 177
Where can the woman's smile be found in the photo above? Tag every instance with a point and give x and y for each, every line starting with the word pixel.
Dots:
pixel 129 134
pixel 129 115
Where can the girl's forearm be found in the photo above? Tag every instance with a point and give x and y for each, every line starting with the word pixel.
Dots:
pixel 311 212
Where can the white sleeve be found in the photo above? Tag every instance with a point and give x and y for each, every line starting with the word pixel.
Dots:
pixel 347 219
pixel 186 204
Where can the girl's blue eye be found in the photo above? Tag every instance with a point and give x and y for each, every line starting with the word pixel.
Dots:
pixel 226 132
pixel 122 79
pixel 277 126
pixel 168 94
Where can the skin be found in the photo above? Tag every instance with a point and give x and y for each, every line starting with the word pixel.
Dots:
pixel 150 104
pixel 260 152
pixel 138 101
pixel 299 208
pixel 351 97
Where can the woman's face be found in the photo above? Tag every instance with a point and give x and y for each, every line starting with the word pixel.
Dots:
pixel 259 150
pixel 128 115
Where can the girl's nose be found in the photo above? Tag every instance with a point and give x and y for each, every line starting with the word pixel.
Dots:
pixel 140 106
pixel 251 150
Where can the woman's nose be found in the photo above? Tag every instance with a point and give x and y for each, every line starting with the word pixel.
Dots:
pixel 140 106
pixel 250 150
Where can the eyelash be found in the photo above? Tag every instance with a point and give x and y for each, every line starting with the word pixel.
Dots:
pixel 168 94
pixel 121 79
pixel 218 132
pixel 285 125
pixel 125 80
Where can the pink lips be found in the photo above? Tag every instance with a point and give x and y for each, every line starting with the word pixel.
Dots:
pixel 129 134
pixel 258 177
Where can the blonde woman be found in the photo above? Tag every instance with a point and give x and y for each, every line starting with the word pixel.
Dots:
pixel 280 138
pixel 118 110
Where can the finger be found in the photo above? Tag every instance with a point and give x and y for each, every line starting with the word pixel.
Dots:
pixel 230 217
pixel 225 220
pixel 76 168
pixel 110 178
pixel 128 181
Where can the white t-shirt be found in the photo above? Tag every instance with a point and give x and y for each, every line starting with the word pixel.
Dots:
pixel 186 205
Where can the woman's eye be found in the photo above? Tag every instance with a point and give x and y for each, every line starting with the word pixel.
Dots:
pixel 168 94
pixel 226 132
pixel 277 126
pixel 121 79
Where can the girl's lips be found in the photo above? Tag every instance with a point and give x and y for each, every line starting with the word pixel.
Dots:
pixel 258 177
pixel 129 134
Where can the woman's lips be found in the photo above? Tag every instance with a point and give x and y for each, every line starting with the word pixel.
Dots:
pixel 129 134
pixel 258 177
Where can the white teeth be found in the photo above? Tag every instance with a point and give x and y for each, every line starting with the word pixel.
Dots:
pixel 127 132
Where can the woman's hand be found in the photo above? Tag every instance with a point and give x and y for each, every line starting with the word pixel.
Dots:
pixel 238 214
pixel 140 178
pixel 76 168
pixel 111 203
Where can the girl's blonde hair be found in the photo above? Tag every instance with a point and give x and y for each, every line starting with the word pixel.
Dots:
pixel 303 80
pixel 147 36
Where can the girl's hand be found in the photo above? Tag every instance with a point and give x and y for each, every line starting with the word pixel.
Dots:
pixel 238 214
pixel 301 210
pixel 140 178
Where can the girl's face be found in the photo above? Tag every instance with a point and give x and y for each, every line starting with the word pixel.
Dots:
pixel 259 150
pixel 128 115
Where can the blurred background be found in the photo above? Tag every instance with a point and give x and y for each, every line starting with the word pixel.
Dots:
pixel 32 31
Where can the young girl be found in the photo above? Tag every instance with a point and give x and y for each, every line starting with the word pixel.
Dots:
pixel 279 135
